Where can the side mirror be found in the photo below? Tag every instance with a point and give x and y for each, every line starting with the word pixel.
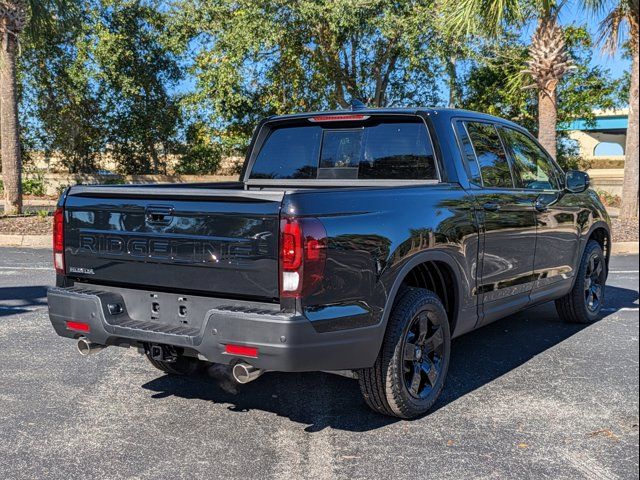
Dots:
pixel 576 181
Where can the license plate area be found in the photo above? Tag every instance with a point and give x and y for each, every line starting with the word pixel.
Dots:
pixel 171 308
pixel 167 309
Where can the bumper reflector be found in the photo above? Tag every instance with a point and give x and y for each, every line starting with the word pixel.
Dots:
pixel 241 350
pixel 79 326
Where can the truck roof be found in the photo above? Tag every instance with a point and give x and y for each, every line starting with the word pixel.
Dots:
pixel 442 112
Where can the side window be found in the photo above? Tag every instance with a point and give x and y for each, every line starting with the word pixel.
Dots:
pixel 533 168
pixel 468 155
pixel 491 156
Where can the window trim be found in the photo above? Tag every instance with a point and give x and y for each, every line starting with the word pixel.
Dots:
pixel 460 130
pixel 258 143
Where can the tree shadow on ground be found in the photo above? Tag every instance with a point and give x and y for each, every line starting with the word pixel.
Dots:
pixel 21 299
pixel 320 400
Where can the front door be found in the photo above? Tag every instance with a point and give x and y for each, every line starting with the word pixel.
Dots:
pixel 557 214
pixel 508 221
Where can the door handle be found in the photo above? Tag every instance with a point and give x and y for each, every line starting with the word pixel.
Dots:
pixel 540 206
pixel 544 201
pixel 491 206
pixel 159 215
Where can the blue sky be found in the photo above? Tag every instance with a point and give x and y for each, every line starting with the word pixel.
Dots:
pixel 574 14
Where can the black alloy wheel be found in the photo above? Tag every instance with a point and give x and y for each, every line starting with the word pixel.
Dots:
pixel 423 353
pixel 595 278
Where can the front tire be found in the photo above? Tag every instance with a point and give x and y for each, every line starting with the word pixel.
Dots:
pixel 586 299
pixel 409 373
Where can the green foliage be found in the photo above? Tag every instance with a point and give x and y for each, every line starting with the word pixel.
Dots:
pixel 102 87
pixel 135 71
pixel 253 58
pixel 33 186
pixel 102 80
pixel 63 115
pixel 494 86
pixel 113 180
pixel 201 155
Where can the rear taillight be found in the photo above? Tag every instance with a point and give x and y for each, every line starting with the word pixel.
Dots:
pixel 303 251
pixel 58 240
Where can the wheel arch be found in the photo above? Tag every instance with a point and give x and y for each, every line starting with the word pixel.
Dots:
pixel 600 231
pixel 416 261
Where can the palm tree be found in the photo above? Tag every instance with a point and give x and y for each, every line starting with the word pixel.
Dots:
pixel 549 59
pixel 35 18
pixel 621 14
pixel 13 19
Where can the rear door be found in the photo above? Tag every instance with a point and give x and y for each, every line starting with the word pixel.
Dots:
pixel 508 221
pixel 556 214
pixel 212 241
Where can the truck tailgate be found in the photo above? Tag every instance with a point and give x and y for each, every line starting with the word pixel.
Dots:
pixel 218 241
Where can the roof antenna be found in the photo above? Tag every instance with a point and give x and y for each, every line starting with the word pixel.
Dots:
pixel 357 105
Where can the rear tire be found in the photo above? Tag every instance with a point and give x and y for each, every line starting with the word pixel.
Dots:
pixel 586 299
pixel 182 365
pixel 409 373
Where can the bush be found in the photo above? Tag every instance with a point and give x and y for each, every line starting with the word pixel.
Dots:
pixel 115 180
pixel 30 186
pixel 33 186
pixel 200 155
pixel 609 199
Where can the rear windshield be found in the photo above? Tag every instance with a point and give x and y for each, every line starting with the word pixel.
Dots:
pixel 375 150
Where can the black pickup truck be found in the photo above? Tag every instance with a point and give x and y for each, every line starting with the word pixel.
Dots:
pixel 357 242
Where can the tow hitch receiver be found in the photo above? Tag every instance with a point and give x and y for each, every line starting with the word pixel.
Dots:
pixel 162 353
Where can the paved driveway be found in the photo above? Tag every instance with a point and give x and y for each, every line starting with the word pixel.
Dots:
pixel 527 397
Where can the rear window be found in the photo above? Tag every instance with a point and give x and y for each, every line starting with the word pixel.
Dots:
pixel 377 150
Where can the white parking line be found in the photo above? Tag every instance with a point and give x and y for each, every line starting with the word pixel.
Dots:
pixel 623 271
pixel 25 268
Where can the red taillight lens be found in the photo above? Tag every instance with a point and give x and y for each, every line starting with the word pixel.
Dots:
pixel 58 240
pixel 241 350
pixel 291 248
pixel 78 326
pixel 303 251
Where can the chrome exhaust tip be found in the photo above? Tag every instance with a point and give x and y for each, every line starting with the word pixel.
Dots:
pixel 86 347
pixel 245 373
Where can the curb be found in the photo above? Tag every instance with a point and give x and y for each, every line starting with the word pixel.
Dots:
pixel 44 241
pixel 622 248
pixel 26 241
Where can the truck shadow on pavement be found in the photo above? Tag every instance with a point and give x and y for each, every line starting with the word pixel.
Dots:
pixel 21 299
pixel 321 400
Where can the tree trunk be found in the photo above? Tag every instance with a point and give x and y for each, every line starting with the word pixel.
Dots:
pixel 629 207
pixel 547 119
pixel 454 87
pixel 9 127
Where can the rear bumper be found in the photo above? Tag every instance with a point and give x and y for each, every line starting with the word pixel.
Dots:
pixel 286 342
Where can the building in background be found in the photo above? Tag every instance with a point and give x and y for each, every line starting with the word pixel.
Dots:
pixel 601 142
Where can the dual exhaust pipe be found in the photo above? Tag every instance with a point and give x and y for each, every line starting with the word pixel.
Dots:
pixel 241 372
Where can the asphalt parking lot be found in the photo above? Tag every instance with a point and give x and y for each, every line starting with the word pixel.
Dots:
pixel 527 397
